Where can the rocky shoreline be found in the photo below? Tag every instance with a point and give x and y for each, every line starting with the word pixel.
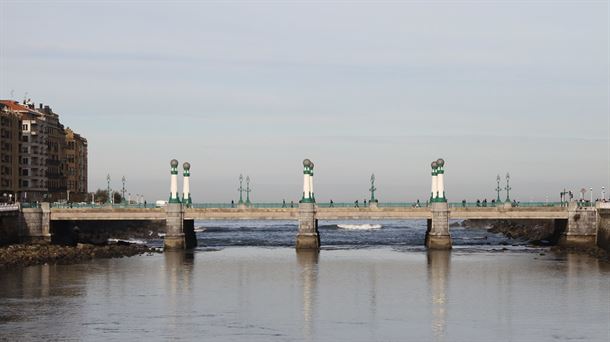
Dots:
pixel 37 254
pixel 535 232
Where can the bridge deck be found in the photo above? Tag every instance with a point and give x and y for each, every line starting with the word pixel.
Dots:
pixel 322 213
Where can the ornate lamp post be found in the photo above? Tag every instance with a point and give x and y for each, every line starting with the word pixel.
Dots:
pixel 109 200
pixel 498 189
pixel 241 189
pixel 248 191
pixel 603 193
pixel 123 190
pixel 591 191
pixel 372 189
pixel 508 188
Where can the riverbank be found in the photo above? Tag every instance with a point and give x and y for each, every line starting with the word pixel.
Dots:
pixel 28 255
pixel 535 232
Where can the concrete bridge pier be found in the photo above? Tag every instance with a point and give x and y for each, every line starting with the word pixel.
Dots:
pixel 308 236
pixel 603 226
pixel 179 233
pixel 35 224
pixel 581 227
pixel 437 235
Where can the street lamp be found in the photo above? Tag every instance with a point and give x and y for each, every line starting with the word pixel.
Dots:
pixel 248 190
pixel 498 189
pixel 507 188
pixel 603 193
pixel 123 191
pixel 372 189
pixel 241 189
pixel 109 200
pixel 591 191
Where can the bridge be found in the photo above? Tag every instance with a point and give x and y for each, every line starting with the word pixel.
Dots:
pixel 579 223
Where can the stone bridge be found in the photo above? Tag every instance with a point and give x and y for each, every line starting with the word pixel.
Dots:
pixel 579 225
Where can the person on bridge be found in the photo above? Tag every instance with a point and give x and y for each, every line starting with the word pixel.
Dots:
pixel 356 204
pixel 332 204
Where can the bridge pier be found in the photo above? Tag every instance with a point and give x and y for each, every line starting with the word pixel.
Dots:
pixel 35 224
pixel 179 233
pixel 308 236
pixel 437 235
pixel 603 226
pixel 581 228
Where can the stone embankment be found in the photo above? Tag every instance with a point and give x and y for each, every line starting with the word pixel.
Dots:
pixel 537 232
pixel 27 255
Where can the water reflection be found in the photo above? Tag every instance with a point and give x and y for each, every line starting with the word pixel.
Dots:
pixel 308 265
pixel 438 276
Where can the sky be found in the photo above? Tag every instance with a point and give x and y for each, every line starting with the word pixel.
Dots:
pixel 359 87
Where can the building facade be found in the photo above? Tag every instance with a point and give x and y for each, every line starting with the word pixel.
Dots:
pixel 10 136
pixel 42 157
pixel 76 166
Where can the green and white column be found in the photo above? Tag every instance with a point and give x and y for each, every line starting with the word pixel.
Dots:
pixel 307 182
pixel 308 236
pixel 186 186
pixel 440 174
pixel 173 191
pixel 434 190
pixel 437 234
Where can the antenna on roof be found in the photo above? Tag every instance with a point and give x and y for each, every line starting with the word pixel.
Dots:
pixel 25 97
pixel 12 93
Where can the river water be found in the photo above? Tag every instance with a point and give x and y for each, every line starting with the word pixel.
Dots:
pixel 245 282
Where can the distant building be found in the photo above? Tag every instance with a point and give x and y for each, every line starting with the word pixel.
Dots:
pixel 41 156
pixel 76 165
pixel 10 136
pixel 56 141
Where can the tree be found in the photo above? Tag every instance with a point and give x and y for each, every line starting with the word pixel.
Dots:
pixel 101 196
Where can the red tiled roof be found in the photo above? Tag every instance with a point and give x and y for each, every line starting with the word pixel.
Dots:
pixel 14 105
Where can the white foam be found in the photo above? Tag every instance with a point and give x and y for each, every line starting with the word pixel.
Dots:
pixel 137 242
pixel 365 226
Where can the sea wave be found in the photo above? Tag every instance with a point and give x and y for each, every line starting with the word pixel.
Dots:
pixel 365 226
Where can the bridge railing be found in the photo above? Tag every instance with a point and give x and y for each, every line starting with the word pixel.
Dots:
pixel 99 206
pixel 490 204
pixel 272 205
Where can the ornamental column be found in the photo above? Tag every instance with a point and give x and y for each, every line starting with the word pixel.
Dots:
pixel 434 190
pixel 437 235
pixel 186 186
pixel 307 236
pixel 440 174
pixel 173 188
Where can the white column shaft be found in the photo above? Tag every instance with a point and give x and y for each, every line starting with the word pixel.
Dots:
pixel 186 187
pixel 441 185
pixel 434 186
pixel 306 185
pixel 174 186
pixel 311 184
